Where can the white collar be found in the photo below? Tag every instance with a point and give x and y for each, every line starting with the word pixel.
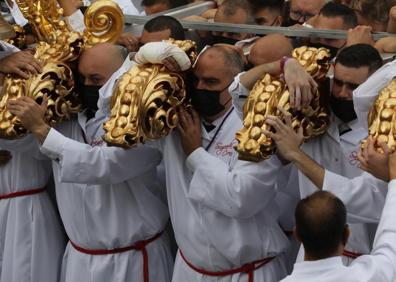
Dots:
pixel 310 267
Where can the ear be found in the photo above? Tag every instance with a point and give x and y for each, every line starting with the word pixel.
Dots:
pixel 295 234
pixel 346 234
pixel 278 21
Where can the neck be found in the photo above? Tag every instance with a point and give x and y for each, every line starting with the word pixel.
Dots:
pixel 227 106
pixel 312 257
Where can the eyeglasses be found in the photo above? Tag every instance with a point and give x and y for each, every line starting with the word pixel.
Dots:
pixel 300 16
pixel 340 83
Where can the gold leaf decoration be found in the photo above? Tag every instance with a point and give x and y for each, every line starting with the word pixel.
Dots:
pixel 268 94
pixel 382 119
pixel 145 103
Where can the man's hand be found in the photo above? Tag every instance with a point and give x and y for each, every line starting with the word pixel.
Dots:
pixel 31 115
pixel 190 131
pixel 301 85
pixel 360 35
pixel 129 41
pixel 5 157
pixel 374 162
pixel 287 141
pixel 386 45
pixel 21 63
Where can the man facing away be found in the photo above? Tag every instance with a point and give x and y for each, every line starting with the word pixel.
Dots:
pixel 322 229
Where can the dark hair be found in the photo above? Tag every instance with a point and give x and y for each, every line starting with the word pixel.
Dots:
pixel 161 23
pixel 320 224
pixel 348 15
pixel 229 8
pixel 148 3
pixel 276 5
pixel 375 10
pixel 360 55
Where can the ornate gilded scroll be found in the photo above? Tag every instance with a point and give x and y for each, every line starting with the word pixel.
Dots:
pixel 145 103
pixel 268 94
pixel 58 50
pixel 382 119
pixel 19 40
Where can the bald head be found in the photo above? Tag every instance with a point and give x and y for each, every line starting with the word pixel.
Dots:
pixel 97 64
pixel 321 224
pixel 270 48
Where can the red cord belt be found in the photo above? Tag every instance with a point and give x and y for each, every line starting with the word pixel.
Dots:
pixel 139 246
pixel 350 254
pixel 22 193
pixel 248 268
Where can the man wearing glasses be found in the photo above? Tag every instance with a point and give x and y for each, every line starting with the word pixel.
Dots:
pixel 303 10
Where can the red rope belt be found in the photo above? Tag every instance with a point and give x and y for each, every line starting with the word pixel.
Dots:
pixel 22 193
pixel 350 254
pixel 248 268
pixel 139 246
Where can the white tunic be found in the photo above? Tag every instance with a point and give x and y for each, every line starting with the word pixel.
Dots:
pixel 338 156
pixel 223 210
pixel 32 241
pixel 108 198
pixel 379 266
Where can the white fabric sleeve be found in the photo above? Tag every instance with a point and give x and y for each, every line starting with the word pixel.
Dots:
pixel 82 163
pixel 26 145
pixel 76 21
pixel 239 94
pixel 363 196
pixel 156 52
pixel 240 191
pixel 380 265
pixel 7 49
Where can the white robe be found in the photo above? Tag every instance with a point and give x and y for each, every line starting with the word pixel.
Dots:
pixel 31 236
pixel 108 198
pixel 223 210
pixel 338 156
pixel 379 266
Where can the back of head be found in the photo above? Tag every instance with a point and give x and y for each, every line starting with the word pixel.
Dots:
pixel 360 55
pixel 162 23
pixel 270 48
pixel 275 5
pixel 229 8
pixel 374 10
pixel 320 224
pixel 334 10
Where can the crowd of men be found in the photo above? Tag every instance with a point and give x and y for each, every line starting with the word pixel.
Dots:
pixel 321 210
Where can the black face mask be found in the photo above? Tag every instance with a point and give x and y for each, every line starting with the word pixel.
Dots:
pixel 343 109
pixel 89 96
pixel 207 102
pixel 333 50
pixel 224 40
pixel 289 22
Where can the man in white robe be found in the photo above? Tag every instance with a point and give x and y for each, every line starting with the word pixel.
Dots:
pixel 323 214
pixel 109 198
pixel 32 239
pixel 222 209
pixel 335 165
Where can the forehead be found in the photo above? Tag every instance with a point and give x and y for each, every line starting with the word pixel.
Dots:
pixel 308 6
pixel 94 63
pixel 210 64
pixel 155 36
pixel 351 75
pixel 239 17
pixel 322 22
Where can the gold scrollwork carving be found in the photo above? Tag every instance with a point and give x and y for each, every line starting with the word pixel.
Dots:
pixel 145 103
pixel 268 94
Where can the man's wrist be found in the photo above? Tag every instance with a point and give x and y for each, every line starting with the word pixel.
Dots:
pixel 41 131
pixel 296 156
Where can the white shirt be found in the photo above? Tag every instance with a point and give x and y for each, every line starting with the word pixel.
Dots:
pixel 379 266
pixel 17 14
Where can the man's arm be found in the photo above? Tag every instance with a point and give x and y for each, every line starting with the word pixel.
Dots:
pixel 300 84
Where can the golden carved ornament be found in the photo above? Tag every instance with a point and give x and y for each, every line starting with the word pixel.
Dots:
pixel 145 102
pixel 19 40
pixel 382 119
pixel 268 94
pixel 59 50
